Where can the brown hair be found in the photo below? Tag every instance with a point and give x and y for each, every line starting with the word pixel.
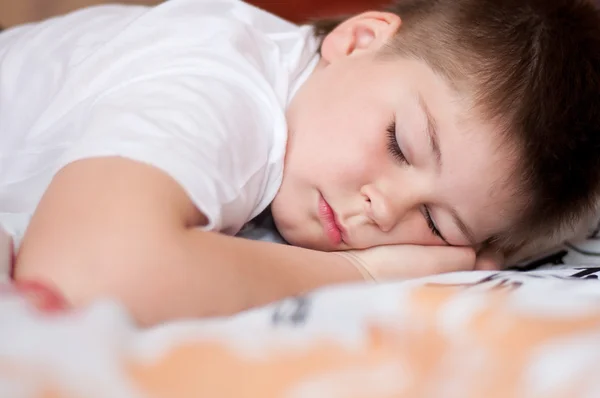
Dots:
pixel 533 66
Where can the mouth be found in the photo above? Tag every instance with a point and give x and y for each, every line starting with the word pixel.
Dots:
pixel 332 228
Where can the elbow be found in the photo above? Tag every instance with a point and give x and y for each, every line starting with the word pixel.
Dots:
pixel 135 275
pixel 75 277
pixel 46 277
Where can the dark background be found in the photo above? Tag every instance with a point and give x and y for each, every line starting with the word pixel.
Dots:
pixel 14 12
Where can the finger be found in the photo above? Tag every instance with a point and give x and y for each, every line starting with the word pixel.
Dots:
pixel 443 259
pixel 411 261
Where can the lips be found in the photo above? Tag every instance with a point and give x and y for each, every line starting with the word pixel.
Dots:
pixel 330 224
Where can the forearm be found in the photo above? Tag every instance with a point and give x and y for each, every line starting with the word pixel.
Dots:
pixel 253 273
pixel 111 227
pixel 187 273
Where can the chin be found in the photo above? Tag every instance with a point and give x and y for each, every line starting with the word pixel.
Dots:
pixel 300 238
pixel 298 231
pixel 308 242
pixel 294 239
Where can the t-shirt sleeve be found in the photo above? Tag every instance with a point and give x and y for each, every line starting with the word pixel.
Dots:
pixel 211 136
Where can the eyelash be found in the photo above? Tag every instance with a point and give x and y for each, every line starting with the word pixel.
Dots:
pixel 393 146
pixel 431 224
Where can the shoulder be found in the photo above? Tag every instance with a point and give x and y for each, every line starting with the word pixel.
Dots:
pixel 216 138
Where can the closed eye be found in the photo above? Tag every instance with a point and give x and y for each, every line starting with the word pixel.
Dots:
pixel 393 146
pixel 394 149
pixel 431 224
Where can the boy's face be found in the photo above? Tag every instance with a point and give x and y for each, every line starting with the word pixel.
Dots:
pixel 383 151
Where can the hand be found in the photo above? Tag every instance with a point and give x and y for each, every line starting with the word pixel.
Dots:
pixel 489 259
pixel 383 263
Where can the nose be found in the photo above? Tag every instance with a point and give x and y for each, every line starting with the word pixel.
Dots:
pixel 385 210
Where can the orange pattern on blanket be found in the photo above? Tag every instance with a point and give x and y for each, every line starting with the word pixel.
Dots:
pixel 210 369
pixel 508 340
pixel 489 353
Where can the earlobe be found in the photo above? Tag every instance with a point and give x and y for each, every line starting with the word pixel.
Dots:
pixel 367 31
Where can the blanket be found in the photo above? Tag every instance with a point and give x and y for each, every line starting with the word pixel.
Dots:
pixel 531 331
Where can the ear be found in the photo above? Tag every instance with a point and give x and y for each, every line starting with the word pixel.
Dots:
pixel 367 31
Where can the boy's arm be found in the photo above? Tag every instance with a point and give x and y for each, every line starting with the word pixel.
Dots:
pixel 115 227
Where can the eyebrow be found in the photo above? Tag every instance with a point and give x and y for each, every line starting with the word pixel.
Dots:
pixel 431 131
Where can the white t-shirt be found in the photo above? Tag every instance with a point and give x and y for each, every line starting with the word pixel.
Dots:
pixel 197 88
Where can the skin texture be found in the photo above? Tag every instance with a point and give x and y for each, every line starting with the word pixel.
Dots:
pixel 112 227
pixel 338 150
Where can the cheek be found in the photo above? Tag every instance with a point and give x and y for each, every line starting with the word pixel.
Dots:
pixel 337 156
pixel 353 148
pixel 361 164
pixel 337 137
pixel 413 230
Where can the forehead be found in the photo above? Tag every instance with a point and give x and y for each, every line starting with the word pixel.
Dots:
pixel 477 177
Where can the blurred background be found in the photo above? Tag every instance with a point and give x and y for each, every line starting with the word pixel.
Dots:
pixel 13 12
